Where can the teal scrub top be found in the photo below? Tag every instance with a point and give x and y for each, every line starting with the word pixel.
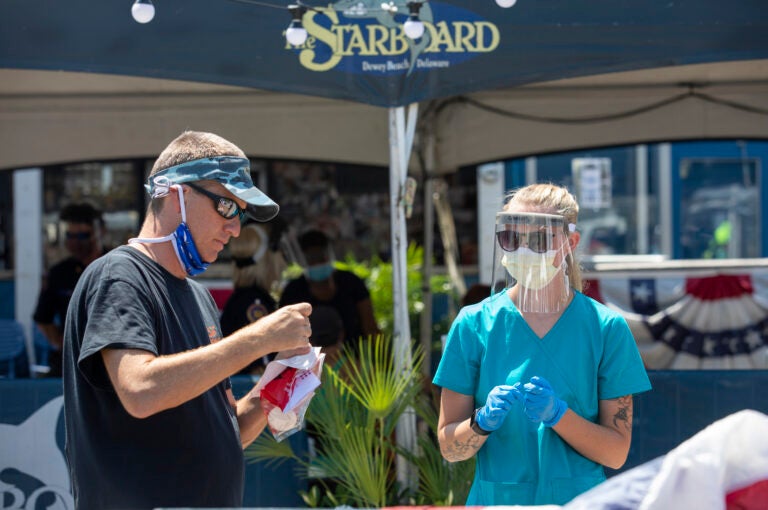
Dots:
pixel 589 355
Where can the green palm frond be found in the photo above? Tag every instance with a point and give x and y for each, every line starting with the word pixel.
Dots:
pixel 266 449
pixel 332 408
pixel 374 381
pixel 360 465
pixel 440 483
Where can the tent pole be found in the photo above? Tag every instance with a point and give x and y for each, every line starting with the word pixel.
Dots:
pixel 425 324
pixel 400 148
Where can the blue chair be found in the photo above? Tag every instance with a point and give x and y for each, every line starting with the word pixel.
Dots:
pixel 12 345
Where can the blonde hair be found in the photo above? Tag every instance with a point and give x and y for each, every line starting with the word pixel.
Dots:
pixel 266 270
pixel 552 199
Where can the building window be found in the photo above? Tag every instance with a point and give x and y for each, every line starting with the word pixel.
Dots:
pixel 618 198
pixel 113 187
pixel 350 203
pixel 720 206
pixel 682 200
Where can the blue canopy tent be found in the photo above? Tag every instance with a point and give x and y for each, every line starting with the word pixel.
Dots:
pixel 356 51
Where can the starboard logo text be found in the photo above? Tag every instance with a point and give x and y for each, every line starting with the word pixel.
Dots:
pixel 361 37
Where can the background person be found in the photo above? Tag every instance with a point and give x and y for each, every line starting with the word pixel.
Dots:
pixel 327 333
pixel 83 232
pixel 324 285
pixel 537 379
pixel 476 293
pixel 258 266
pixel 150 417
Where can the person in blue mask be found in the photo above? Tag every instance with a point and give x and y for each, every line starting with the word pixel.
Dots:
pixel 150 417
pixel 537 379
pixel 324 285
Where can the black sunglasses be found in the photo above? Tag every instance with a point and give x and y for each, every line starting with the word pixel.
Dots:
pixel 226 207
pixel 537 241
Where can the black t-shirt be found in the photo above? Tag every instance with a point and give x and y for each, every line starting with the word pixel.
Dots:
pixel 350 290
pixel 188 456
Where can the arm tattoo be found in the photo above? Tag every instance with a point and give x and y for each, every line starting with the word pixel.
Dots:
pixel 461 451
pixel 623 416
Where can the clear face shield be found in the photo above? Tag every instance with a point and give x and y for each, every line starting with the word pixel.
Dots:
pixel 531 256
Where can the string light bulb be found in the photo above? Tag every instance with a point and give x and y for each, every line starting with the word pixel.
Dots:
pixel 413 27
pixel 506 3
pixel 143 11
pixel 296 34
pixel 389 7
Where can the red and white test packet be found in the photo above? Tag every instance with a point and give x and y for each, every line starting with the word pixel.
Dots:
pixel 286 389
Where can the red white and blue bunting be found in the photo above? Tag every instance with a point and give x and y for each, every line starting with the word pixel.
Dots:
pixel 683 322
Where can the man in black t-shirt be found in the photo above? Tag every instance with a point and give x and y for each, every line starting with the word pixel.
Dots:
pixel 83 230
pixel 149 415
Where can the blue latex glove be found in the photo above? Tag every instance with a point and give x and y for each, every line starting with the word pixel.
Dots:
pixel 541 404
pixel 497 405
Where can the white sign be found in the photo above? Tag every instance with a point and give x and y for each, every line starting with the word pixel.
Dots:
pixel 593 182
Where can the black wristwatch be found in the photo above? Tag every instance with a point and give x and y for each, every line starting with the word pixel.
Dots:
pixel 475 427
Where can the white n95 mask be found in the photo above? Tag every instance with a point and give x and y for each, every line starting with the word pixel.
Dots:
pixel 530 269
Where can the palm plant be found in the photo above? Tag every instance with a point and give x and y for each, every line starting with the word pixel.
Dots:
pixel 439 483
pixel 353 418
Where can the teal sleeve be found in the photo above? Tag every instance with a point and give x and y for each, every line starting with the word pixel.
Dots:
pixel 621 371
pixel 460 362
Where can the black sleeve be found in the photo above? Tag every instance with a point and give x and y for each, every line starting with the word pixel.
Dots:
pixel 118 316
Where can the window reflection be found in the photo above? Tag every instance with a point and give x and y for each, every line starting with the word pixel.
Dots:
pixel 691 200
pixel 350 203
pixel 606 184
pixel 112 187
pixel 719 210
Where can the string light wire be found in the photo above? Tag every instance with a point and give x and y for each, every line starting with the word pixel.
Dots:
pixel 691 93
pixel 143 11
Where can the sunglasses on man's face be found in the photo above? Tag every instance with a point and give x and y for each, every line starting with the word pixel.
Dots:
pixel 226 207
pixel 537 241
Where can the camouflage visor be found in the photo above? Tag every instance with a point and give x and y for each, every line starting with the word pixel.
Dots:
pixel 234 173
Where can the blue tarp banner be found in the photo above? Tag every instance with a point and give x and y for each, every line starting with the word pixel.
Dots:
pixel 33 467
pixel 358 51
pixel 32 463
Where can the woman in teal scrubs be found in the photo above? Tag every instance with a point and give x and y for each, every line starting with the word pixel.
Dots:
pixel 537 380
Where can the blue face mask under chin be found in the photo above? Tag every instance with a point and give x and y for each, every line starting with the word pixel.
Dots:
pixel 183 244
pixel 187 251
